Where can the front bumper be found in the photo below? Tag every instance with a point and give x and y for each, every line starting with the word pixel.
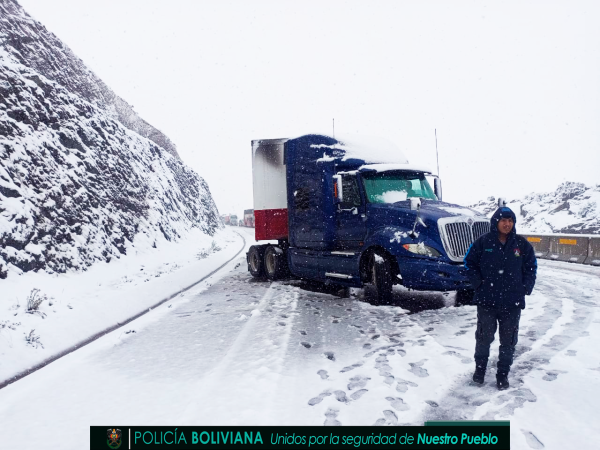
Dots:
pixel 430 275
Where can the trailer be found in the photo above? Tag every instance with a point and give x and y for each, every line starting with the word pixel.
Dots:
pixel 348 214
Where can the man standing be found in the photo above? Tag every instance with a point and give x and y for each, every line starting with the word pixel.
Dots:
pixel 502 268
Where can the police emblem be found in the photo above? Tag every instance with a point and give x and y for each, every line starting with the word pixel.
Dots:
pixel 517 252
pixel 113 437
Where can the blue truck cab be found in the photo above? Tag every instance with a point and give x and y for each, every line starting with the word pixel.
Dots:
pixel 343 216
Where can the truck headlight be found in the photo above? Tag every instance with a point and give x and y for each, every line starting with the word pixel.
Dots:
pixel 422 249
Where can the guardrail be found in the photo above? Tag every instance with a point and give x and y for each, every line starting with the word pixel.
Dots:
pixel 571 248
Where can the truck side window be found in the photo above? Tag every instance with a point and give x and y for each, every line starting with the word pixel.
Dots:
pixel 302 199
pixel 350 190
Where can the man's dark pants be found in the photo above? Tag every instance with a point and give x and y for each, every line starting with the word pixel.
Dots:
pixel 487 323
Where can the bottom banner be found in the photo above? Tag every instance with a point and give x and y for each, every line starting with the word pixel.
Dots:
pixel 439 435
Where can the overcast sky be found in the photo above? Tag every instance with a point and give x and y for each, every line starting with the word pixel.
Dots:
pixel 513 88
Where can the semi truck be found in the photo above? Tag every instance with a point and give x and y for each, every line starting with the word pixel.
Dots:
pixel 356 213
pixel 249 218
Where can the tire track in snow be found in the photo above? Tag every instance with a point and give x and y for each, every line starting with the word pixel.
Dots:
pixel 251 368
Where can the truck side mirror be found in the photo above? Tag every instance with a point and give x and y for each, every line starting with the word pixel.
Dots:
pixel 415 203
pixel 338 193
pixel 437 188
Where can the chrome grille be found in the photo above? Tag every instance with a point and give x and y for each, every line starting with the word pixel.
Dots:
pixel 458 235
pixel 479 229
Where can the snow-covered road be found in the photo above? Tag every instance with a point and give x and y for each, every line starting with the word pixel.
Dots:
pixel 247 352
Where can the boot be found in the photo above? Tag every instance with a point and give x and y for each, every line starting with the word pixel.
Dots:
pixel 502 381
pixel 480 366
pixel 479 375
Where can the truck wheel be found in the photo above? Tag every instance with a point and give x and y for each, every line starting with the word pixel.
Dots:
pixel 464 297
pixel 381 277
pixel 255 261
pixel 274 262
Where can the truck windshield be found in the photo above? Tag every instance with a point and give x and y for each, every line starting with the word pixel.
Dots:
pixel 392 187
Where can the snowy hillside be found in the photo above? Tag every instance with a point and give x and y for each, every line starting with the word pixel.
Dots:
pixel 79 182
pixel 572 208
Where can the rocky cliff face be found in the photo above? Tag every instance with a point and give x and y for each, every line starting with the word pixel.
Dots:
pixel 82 177
pixel 572 208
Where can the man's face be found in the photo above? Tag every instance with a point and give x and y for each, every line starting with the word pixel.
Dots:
pixel 505 225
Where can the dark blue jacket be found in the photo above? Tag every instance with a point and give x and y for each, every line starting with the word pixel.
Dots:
pixel 501 274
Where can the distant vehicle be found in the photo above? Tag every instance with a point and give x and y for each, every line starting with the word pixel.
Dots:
pixel 233 220
pixel 342 215
pixel 249 218
pixel 226 219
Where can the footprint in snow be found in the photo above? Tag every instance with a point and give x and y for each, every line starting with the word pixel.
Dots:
pixel 302 332
pixel 367 346
pixel 432 403
pixel 398 404
pixel 331 420
pixel 509 409
pixel 352 367
pixel 390 418
pixel 460 333
pixel 418 370
pixel 525 393
pixel 305 344
pixel 358 382
pixel 552 375
pixel 281 324
pixel 319 398
pixel 329 355
pixel 429 329
pixel 340 396
pixel 323 374
pixel 532 440
pixel 464 359
pixel 358 394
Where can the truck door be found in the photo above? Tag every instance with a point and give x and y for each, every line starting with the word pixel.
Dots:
pixel 351 223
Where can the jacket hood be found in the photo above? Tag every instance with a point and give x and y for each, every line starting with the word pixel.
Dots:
pixel 502 213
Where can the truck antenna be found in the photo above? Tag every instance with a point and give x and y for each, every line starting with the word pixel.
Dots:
pixel 436 152
pixel 334 128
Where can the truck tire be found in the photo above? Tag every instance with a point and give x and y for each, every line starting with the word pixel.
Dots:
pixel 255 258
pixel 381 277
pixel 464 297
pixel 274 262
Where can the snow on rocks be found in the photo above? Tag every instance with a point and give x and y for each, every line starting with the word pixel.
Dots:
pixel 572 208
pixel 81 181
